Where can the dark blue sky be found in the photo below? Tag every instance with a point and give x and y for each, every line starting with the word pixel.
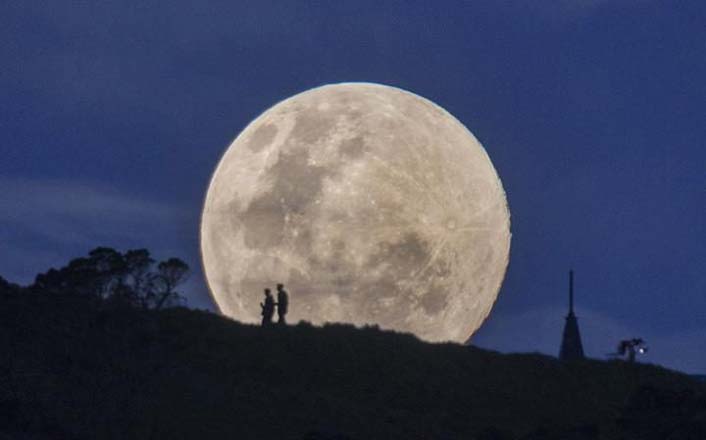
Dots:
pixel 112 118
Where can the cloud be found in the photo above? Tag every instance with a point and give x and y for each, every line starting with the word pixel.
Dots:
pixel 47 222
pixel 64 211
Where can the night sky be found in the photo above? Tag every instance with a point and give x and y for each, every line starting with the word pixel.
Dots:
pixel 113 117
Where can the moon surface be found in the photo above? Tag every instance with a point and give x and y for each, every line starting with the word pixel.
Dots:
pixel 371 204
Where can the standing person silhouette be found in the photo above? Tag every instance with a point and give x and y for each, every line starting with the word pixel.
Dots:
pixel 282 304
pixel 268 308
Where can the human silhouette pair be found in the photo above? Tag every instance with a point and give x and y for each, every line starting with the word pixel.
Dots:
pixel 268 307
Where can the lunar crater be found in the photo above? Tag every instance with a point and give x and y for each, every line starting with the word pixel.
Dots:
pixel 371 204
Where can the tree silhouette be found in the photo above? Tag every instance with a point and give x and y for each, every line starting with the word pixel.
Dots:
pixel 85 353
pixel 138 275
pixel 169 275
pixel 6 286
pixel 119 279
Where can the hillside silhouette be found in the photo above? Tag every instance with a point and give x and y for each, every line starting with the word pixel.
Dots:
pixel 76 368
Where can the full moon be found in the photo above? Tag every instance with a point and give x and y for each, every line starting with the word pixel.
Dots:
pixel 371 204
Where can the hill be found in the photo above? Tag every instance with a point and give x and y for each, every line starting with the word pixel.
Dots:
pixel 71 369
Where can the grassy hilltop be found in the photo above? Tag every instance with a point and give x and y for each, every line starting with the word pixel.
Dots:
pixel 72 369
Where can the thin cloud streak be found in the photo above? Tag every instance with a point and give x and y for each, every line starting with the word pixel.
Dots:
pixel 72 212
pixel 61 219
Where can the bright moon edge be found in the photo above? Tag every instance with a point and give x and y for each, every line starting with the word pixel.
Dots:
pixel 383 88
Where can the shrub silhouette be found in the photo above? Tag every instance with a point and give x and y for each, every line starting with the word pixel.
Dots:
pixel 84 359
pixel 108 275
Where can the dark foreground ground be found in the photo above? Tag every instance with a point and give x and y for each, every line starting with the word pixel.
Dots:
pixel 74 370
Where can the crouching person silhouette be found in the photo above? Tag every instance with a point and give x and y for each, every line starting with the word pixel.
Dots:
pixel 268 308
pixel 282 304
